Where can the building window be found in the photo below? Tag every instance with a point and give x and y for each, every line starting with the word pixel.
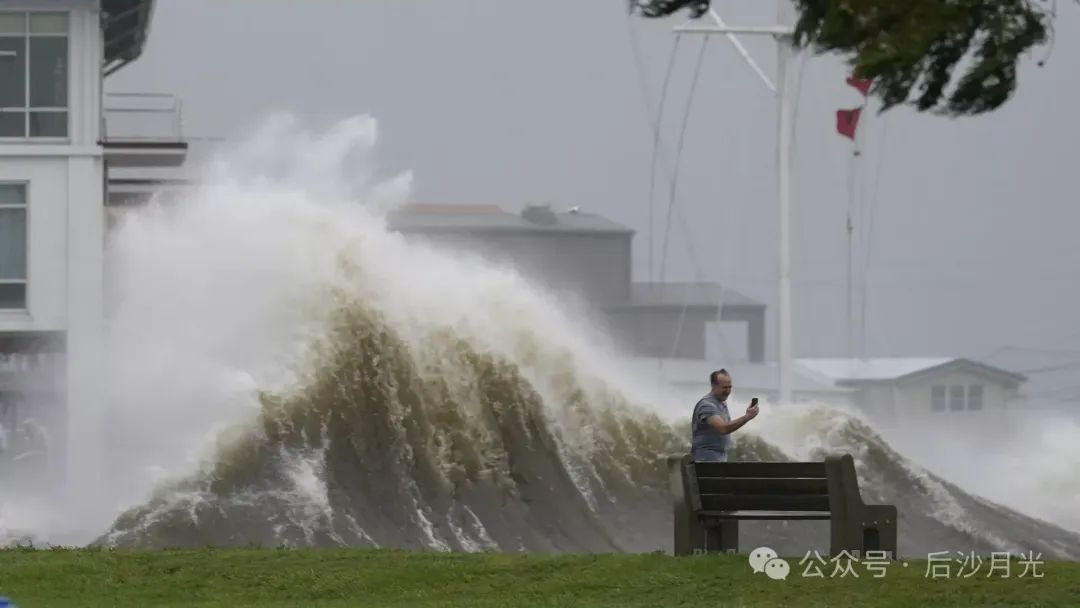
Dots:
pixel 33 75
pixel 956 397
pixel 13 246
pixel 937 398
pixel 975 397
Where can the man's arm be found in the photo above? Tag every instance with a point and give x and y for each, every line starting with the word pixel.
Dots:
pixel 717 422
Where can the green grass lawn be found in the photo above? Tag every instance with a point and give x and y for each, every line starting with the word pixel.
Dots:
pixel 342 577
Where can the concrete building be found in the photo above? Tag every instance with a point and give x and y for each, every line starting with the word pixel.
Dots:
pixel 56 149
pixel 589 257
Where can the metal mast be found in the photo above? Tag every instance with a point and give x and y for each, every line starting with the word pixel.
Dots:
pixel 786 91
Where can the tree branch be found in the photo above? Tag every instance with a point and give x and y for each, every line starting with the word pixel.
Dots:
pixel 911 49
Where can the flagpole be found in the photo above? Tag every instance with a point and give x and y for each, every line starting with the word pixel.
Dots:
pixel 785 122
pixel 855 234
pixel 850 228
pixel 847 124
pixel 787 98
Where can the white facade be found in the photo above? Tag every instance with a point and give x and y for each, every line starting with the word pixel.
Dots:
pixel 60 174
pixel 956 393
pixel 904 391
pixel 63 180
pixel 53 57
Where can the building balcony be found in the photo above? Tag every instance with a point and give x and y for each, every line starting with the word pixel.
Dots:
pixel 143 130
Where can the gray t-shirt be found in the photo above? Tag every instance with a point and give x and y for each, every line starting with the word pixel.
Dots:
pixel 704 435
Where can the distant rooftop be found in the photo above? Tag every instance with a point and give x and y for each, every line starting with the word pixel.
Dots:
pixel 425 217
pixel 879 369
pixel 883 368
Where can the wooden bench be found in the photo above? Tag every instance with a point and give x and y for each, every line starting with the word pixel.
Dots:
pixel 711 498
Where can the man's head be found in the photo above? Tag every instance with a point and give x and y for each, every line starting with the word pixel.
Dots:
pixel 721 384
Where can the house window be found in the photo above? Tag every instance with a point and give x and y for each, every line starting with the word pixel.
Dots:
pixel 956 397
pixel 975 397
pixel 33 75
pixel 13 246
pixel 937 398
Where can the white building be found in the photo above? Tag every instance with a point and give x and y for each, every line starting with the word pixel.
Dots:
pixel 55 154
pixel 919 390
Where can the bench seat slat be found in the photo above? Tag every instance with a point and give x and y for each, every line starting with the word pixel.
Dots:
pixel 761 469
pixel 768 515
pixel 764 502
pixel 761 485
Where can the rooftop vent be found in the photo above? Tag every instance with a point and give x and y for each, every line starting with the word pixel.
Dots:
pixel 539 214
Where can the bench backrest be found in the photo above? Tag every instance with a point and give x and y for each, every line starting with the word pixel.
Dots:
pixel 757 486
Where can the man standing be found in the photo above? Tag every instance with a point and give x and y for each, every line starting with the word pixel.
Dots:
pixel 712 425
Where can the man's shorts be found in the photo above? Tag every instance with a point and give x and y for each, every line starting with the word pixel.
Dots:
pixel 705 455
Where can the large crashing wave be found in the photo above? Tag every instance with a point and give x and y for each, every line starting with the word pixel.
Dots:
pixel 374 451
pixel 362 390
pixel 447 447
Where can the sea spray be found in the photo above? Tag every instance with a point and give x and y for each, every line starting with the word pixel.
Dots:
pixel 286 371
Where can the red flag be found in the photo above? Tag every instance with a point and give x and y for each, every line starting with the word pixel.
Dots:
pixel 847 121
pixel 862 85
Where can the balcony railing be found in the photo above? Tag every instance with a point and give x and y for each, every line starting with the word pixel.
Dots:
pixel 142 117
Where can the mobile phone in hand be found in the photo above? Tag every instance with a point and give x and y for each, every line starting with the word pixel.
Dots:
pixel 753 402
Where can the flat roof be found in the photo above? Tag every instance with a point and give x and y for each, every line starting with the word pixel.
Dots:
pixel 464 218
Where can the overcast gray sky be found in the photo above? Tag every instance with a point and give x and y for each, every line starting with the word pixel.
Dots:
pixel 974 231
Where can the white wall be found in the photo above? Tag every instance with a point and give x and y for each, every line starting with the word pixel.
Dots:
pixel 879 402
pixel 906 407
pixel 66 215
pixel 914 399
pixel 903 412
pixel 65 182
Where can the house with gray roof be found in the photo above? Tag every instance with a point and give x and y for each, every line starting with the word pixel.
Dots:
pixel 935 389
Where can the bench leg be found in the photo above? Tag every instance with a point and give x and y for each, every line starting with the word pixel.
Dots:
pixel 719 537
pixel 874 528
pixel 840 537
pixel 880 529
pixel 687 529
pixel 691 538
